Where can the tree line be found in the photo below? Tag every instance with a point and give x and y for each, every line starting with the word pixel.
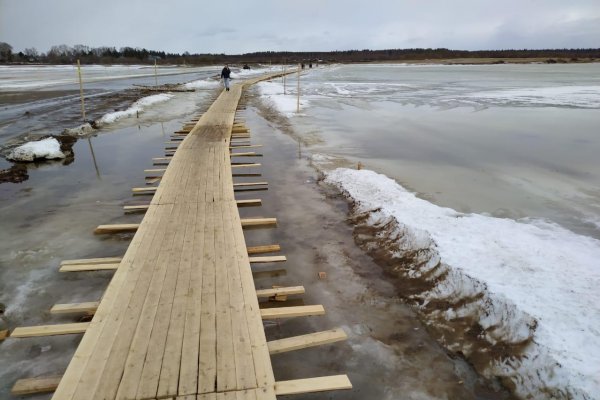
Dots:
pixel 63 54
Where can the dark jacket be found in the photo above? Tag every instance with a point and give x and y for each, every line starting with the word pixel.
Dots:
pixel 225 73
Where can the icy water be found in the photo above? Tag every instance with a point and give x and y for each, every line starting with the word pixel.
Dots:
pixel 491 218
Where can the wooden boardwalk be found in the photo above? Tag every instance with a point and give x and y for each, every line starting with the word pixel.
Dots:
pixel 180 319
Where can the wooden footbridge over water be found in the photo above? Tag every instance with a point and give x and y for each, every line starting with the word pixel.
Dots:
pixel 180 318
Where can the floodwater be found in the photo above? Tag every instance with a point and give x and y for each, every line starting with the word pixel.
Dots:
pixel 50 217
pixel 490 222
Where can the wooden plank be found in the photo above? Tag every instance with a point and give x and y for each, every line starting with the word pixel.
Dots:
pixel 87 307
pixel 162 158
pixel 116 228
pixel 312 385
pixel 143 189
pixel 246 146
pixel 267 259
pixel 305 341
pixel 248 203
pixel 280 291
pixel 291 312
pixel 270 248
pixel 90 261
pixel 140 207
pixel 258 222
pixel 246 154
pixel 154 170
pixel 269 273
pixel 244 184
pixel 49 330
pixel 45 384
pixel 89 267
pixel 246 165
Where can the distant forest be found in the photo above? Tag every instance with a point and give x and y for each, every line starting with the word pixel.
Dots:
pixel 63 54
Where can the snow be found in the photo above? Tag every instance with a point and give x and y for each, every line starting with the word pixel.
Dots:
pixel 542 269
pixel 46 148
pixel 202 84
pixel 135 108
pixel 286 104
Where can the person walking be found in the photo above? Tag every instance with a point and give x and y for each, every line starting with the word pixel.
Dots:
pixel 226 75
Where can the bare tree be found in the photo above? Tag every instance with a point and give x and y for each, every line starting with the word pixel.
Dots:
pixel 5 51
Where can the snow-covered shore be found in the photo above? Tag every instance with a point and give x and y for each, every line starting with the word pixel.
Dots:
pixel 530 286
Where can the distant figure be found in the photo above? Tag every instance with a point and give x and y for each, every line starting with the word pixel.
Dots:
pixel 246 66
pixel 226 75
pixel 302 65
pixel 310 64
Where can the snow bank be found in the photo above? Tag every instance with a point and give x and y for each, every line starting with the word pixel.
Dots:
pixel 202 84
pixel 135 108
pixel 46 148
pixel 80 130
pixel 529 285
pixel 286 104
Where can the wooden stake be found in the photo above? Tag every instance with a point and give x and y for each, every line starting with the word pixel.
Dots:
pixel 81 90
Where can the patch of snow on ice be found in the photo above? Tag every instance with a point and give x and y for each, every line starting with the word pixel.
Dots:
pixel 46 148
pixel 136 107
pixel 202 84
pixel 545 270
pixel 284 103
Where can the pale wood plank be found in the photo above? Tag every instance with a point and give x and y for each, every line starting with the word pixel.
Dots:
pixel 116 228
pixel 49 330
pixel 271 248
pixel 89 267
pixel 104 260
pixel 291 312
pixel 305 341
pixel 280 291
pixel 27 386
pixel 312 385
pixel 89 307
pixel 258 222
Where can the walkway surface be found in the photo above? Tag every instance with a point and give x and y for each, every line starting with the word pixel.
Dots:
pixel 180 318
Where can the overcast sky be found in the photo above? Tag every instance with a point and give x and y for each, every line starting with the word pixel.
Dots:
pixel 232 27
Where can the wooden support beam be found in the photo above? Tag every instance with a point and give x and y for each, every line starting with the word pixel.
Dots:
pixel 245 165
pixel 141 207
pixel 153 180
pixel 90 261
pixel 305 341
pixel 89 267
pixel 182 132
pixel 176 138
pixel 162 158
pixel 116 228
pixel 258 222
pixel 312 385
pixel 270 248
pixel 176 142
pixel 155 170
pixel 247 154
pixel 269 259
pixel 143 190
pixel 291 312
pixel 246 175
pixel 245 184
pixel 248 203
pixel 281 291
pixel 247 146
pixel 49 330
pixel 45 384
pixel 73 308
